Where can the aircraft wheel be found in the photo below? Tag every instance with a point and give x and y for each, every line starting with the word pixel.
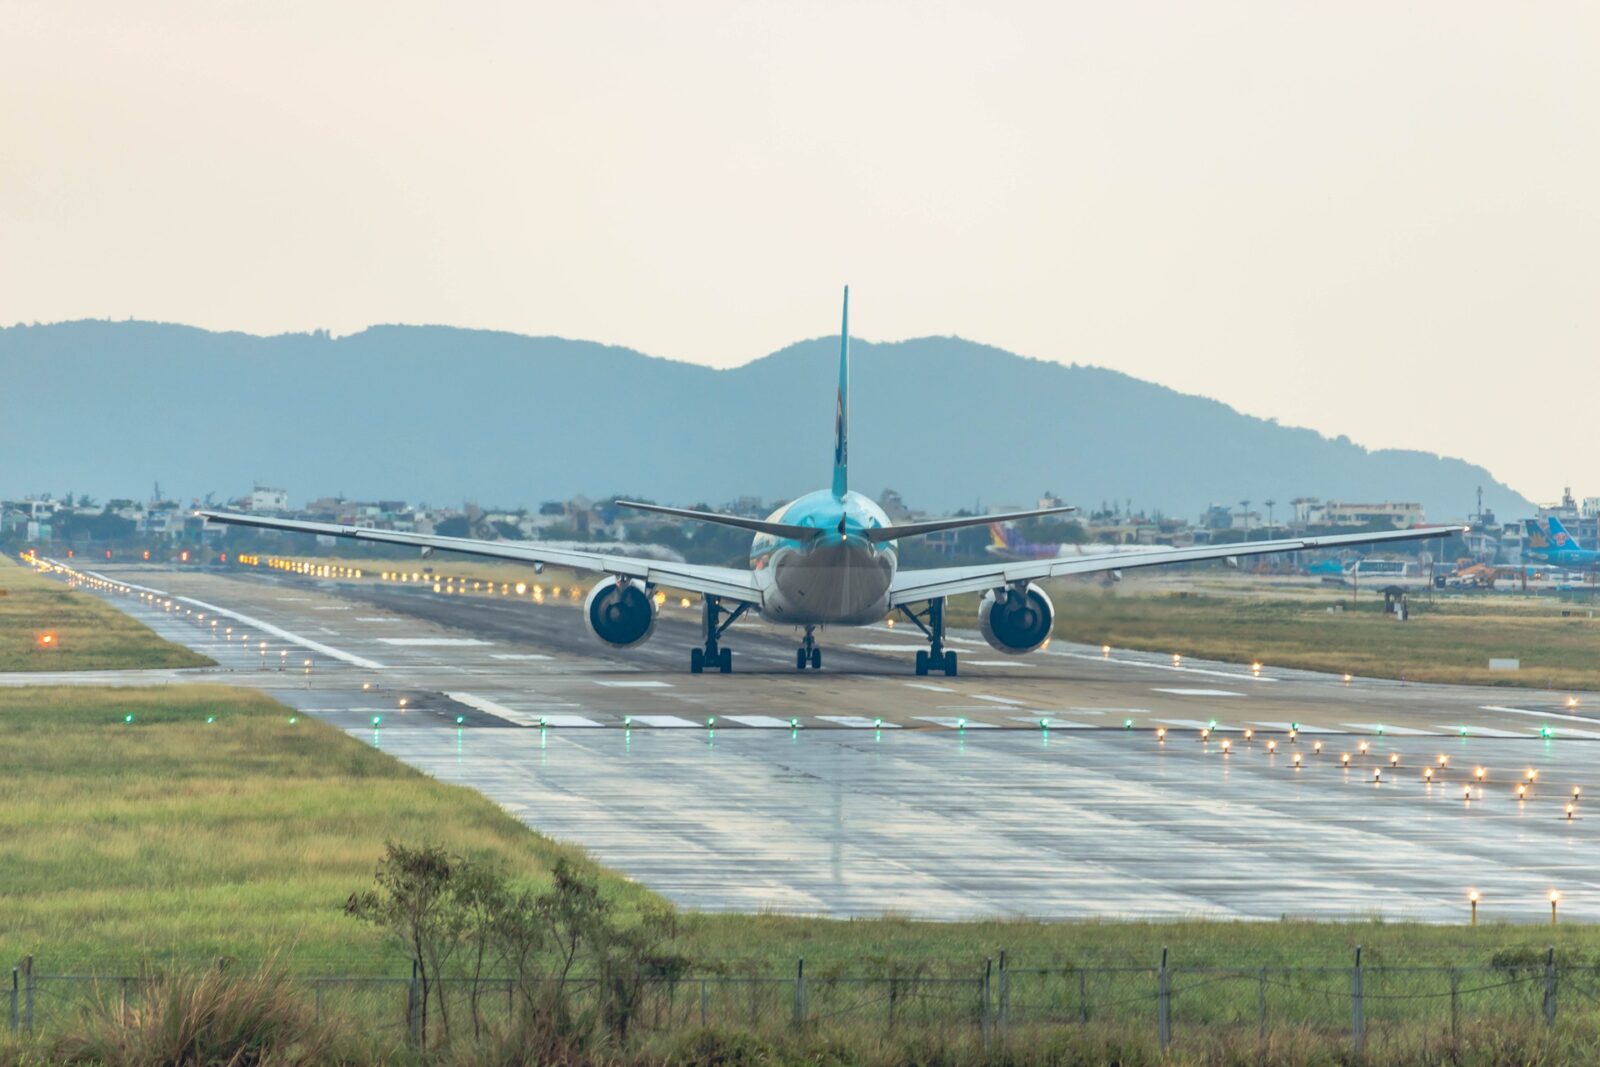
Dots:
pixel 697 661
pixel 950 664
pixel 922 662
pixel 816 659
pixel 800 659
pixel 725 661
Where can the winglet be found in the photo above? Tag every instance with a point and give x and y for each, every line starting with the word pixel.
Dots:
pixel 841 416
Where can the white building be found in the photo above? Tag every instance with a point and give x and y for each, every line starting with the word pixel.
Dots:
pixel 263 498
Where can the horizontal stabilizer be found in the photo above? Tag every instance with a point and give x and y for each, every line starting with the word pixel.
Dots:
pixel 913 529
pixel 776 529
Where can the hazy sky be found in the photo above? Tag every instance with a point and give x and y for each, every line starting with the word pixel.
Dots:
pixel 1369 218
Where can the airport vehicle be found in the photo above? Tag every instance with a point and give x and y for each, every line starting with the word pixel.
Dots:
pixel 1008 544
pixel 828 558
pixel 1551 543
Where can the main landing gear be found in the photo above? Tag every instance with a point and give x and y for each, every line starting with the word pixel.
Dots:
pixel 808 654
pixel 930 621
pixel 717 620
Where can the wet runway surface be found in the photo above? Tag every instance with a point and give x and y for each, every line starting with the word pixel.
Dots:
pixel 958 804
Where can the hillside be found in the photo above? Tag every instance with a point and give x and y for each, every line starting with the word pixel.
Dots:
pixel 441 415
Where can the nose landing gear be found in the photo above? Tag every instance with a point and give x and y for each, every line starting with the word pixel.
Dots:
pixel 808 654
pixel 713 655
pixel 931 622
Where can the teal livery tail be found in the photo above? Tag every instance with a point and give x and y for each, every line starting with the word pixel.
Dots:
pixel 841 415
pixel 1559 538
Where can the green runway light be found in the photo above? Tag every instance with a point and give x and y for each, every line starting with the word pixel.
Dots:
pixel 543 722
pixel 460 719
pixel 376 719
pixel 1463 731
pixel 1294 726
pixel 1546 733
pixel 1212 724
pixel 210 719
pixel 1127 724
pixel 794 724
pixel 961 724
pixel 627 722
pixel 293 719
pixel 1380 729
pixel 1044 724
pixel 877 724
pixel 711 721
pixel 128 717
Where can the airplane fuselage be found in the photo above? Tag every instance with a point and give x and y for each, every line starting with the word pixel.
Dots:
pixel 837 577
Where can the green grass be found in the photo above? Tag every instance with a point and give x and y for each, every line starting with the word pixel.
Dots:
pixel 171 837
pixel 89 635
pixel 1450 640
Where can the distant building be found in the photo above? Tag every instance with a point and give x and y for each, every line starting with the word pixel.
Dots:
pixel 1336 513
pixel 265 499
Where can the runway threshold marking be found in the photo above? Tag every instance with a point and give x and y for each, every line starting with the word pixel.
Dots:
pixel 1398 731
pixel 930 688
pixel 1199 692
pixel 432 642
pixel 997 663
pixel 517 656
pixel 1196 724
pixel 634 685
pixel 856 722
pixel 1063 724
pixel 1490 731
pixel 887 648
pixel 664 722
pixel 1302 728
pixel 1001 700
pixel 762 722
pixel 955 724
pixel 568 720
pixel 490 707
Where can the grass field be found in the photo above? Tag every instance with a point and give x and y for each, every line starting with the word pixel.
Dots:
pixel 1448 640
pixel 87 633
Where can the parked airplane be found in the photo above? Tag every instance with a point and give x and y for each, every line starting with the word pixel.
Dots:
pixel 828 558
pixel 1008 544
pixel 1551 543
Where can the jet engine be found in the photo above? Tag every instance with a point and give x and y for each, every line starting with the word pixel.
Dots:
pixel 620 612
pixel 1015 621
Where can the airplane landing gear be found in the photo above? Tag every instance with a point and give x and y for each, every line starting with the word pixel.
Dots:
pixel 717 620
pixel 931 622
pixel 808 654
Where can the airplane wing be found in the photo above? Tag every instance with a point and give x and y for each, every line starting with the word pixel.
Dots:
pixel 912 586
pixel 717 581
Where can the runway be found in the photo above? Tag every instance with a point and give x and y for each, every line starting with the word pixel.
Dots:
pixel 863 790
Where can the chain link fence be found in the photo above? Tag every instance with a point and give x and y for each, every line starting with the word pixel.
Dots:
pixel 1388 1009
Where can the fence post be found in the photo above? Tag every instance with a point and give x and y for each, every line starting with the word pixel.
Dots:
pixel 984 1020
pixel 800 992
pixel 413 1009
pixel 1083 998
pixel 1005 992
pixel 894 995
pixel 1164 1003
pixel 27 993
pixel 1358 1017
pixel 1455 1005
pixel 15 985
pixel 1550 987
pixel 1261 1002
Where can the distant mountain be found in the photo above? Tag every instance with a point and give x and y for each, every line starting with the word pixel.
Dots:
pixel 444 415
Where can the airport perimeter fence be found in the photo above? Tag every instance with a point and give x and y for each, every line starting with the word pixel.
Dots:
pixel 1396 1011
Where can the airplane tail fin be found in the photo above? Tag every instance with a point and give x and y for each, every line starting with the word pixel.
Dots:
pixel 999 536
pixel 1537 538
pixel 841 417
pixel 1559 535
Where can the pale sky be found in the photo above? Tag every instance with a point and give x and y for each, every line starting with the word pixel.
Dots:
pixel 1376 219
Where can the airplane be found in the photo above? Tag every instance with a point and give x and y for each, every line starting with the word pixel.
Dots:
pixel 1552 544
pixel 1006 543
pixel 829 558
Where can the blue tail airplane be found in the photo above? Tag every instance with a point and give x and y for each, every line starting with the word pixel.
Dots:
pixel 828 558
pixel 1549 542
